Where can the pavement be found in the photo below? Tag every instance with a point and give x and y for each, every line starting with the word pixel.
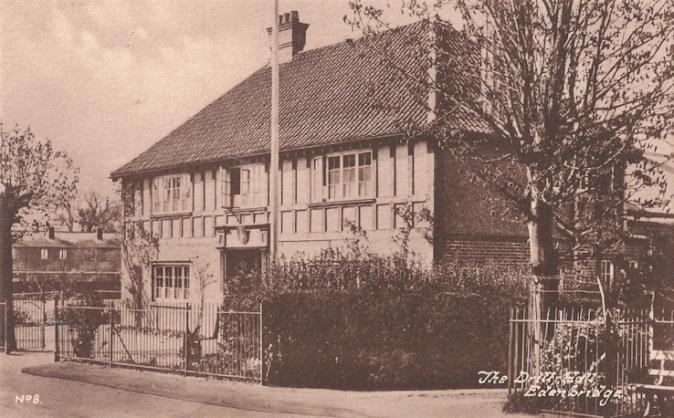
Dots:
pixel 57 398
pixel 226 398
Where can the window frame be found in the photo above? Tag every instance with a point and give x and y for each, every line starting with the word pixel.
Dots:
pixel 245 189
pixel 337 191
pixel 165 280
pixel 171 193
pixel 366 183
pixel 63 253
pixel 352 170
pixel 44 253
pixel 255 188
pixel 607 275
pixel 337 184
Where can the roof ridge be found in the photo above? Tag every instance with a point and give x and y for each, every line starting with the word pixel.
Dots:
pixel 351 41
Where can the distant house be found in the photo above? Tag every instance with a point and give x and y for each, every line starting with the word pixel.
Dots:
pixel 69 261
pixel 655 225
pixel 345 159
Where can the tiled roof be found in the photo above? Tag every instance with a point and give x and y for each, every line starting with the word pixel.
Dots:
pixel 338 93
pixel 69 240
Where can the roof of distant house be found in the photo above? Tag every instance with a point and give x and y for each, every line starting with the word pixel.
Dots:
pixel 340 93
pixel 68 240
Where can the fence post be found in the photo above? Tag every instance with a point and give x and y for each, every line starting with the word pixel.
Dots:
pixel 112 329
pixel 187 342
pixel 261 350
pixel 5 329
pixel 42 323
pixel 57 326
pixel 510 353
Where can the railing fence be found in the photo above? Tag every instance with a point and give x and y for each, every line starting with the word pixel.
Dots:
pixel 581 365
pixel 33 324
pixel 3 327
pixel 33 314
pixel 189 339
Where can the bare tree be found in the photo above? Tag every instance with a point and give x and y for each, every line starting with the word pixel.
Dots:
pixel 204 278
pixel 98 211
pixel 566 94
pixel 139 250
pixel 35 179
pixel 66 215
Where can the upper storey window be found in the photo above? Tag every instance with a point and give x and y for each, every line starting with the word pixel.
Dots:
pixel 244 186
pixel 349 175
pixel 171 194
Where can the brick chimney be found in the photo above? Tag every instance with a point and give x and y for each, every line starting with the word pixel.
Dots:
pixel 51 232
pixel 292 36
pixel 99 233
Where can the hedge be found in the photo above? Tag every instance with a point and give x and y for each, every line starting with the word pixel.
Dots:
pixel 354 319
pixel 384 340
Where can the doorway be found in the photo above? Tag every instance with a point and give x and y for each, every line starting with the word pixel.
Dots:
pixel 242 266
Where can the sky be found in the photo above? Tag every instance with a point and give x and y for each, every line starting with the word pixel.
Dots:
pixel 106 79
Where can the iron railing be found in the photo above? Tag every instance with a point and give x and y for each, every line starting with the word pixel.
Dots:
pixel 181 338
pixel 577 361
pixel 3 327
pixel 33 324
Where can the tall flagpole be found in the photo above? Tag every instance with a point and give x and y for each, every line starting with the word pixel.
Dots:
pixel 274 164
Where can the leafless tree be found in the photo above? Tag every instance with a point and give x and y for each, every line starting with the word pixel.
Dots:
pixel 565 93
pixel 35 179
pixel 99 212
pixel 66 215
pixel 204 278
pixel 139 250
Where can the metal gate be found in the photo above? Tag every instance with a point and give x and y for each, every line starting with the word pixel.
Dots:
pixel 33 325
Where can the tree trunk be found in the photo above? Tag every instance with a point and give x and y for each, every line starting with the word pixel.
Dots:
pixel 6 276
pixel 545 280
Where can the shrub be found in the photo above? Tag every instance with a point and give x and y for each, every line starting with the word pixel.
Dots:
pixel 22 318
pixel 380 322
pixel 85 323
pixel 193 341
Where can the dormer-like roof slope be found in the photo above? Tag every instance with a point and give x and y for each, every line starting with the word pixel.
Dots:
pixel 334 94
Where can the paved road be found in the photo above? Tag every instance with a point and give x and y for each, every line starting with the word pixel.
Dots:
pixel 61 398
pixel 67 398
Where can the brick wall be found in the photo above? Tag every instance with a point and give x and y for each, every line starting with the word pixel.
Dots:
pixel 474 250
pixel 473 225
pixel 471 222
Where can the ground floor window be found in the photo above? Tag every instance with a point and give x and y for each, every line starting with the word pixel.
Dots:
pixel 171 282
pixel 606 271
